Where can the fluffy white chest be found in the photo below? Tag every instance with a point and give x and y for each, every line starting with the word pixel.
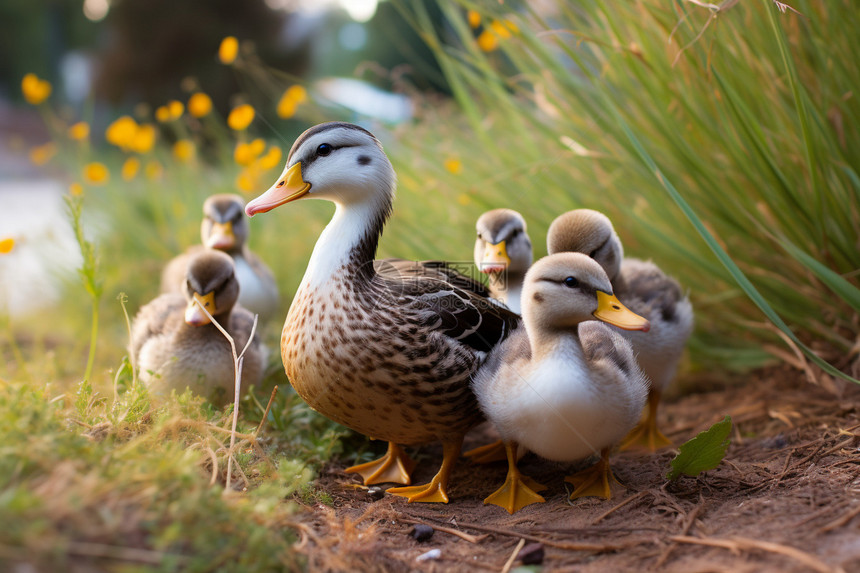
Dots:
pixel 557 409
pixel 254 294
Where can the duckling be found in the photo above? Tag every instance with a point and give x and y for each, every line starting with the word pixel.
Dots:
pixel 647 291
pixel 566 386
pixel 225 228
pixel 503 251
pixel 387 354
pixel 175 345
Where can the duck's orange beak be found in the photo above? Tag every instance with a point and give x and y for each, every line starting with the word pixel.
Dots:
pixel 290 186
pixel 221 236
pixel 610 310
pixel 193 313
pixel 495 258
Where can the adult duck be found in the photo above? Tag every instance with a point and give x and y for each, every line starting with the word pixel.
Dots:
pixel 389 355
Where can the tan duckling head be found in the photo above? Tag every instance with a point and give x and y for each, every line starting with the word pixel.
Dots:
pixel 210 279
pixel 565 289
pixel 502 242
pixel 224 226
pixel 589 232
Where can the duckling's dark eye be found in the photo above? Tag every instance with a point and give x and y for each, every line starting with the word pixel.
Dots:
pixel 593 253
pixel 515 233
pixel 324 149
pixel 571 282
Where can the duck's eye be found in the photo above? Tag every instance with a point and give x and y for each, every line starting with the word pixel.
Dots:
pixel 324 149
pixel 593 253
pixel 571 282
pixel 515 233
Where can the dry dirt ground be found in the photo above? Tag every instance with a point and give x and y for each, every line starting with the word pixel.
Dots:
pixel 786 498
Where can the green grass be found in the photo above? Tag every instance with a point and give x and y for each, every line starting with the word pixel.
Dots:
pixel 722 144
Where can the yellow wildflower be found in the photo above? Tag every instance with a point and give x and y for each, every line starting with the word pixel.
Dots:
pixel 241 117
pixel 6 245
pixel 96 173
pixel 183 150
pixel 144 139
pixel 79 131
pixel 271 159
pixel 298 93
pixel 121 132
pixel 76 190
pixel 153 170
pixel 130 168
pixel 293 96
pixel 488 41
pixel 257 147
pixel 199 104
pixel 243 154
pixel 175 109
pixel 162 114
pixel 43 153
pixel 228 50
pixel 454 166
pixel 35 90
pixel 248 180
pixel 286 108
pixel 474 19
pixel 503 29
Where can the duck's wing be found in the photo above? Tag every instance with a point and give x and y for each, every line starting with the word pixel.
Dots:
pixel 433 269
pixel 154 319
pixel 460 314
pixel 650 292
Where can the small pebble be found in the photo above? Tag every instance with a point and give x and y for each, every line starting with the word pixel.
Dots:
pixel 531 554
pixel 375 493
pixel 421 532
pixel 430 555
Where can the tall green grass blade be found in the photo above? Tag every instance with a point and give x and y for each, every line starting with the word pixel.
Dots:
pixel 834 281
pixel 751 291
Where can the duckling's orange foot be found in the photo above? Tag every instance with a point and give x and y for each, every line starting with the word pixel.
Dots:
pixel 517 492
pixel 594 481
pixel 433 492
pixel 494 452
pixel 646 436
pixel 394 467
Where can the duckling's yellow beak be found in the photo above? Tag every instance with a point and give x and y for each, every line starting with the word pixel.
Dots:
pixel 495 258
pixel 194 315
pixel 610 309
pixel 221 236
pixel 290 186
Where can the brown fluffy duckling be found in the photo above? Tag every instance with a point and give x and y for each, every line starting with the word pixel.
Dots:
pixel 225 228
pixel 503 251
pixel 176 346
pixel 647 291
pixel 566 386
pixel 386 354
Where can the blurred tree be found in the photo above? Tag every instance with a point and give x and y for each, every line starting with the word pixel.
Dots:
pixel 152 45
pixel 33 36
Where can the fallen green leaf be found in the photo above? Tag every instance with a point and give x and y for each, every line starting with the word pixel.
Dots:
pixel 704 452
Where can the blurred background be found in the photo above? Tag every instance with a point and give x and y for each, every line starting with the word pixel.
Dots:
pixel 723 148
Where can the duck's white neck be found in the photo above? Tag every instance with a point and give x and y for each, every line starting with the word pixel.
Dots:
pixel 550 344
pixel 348 243
pixel 508 289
